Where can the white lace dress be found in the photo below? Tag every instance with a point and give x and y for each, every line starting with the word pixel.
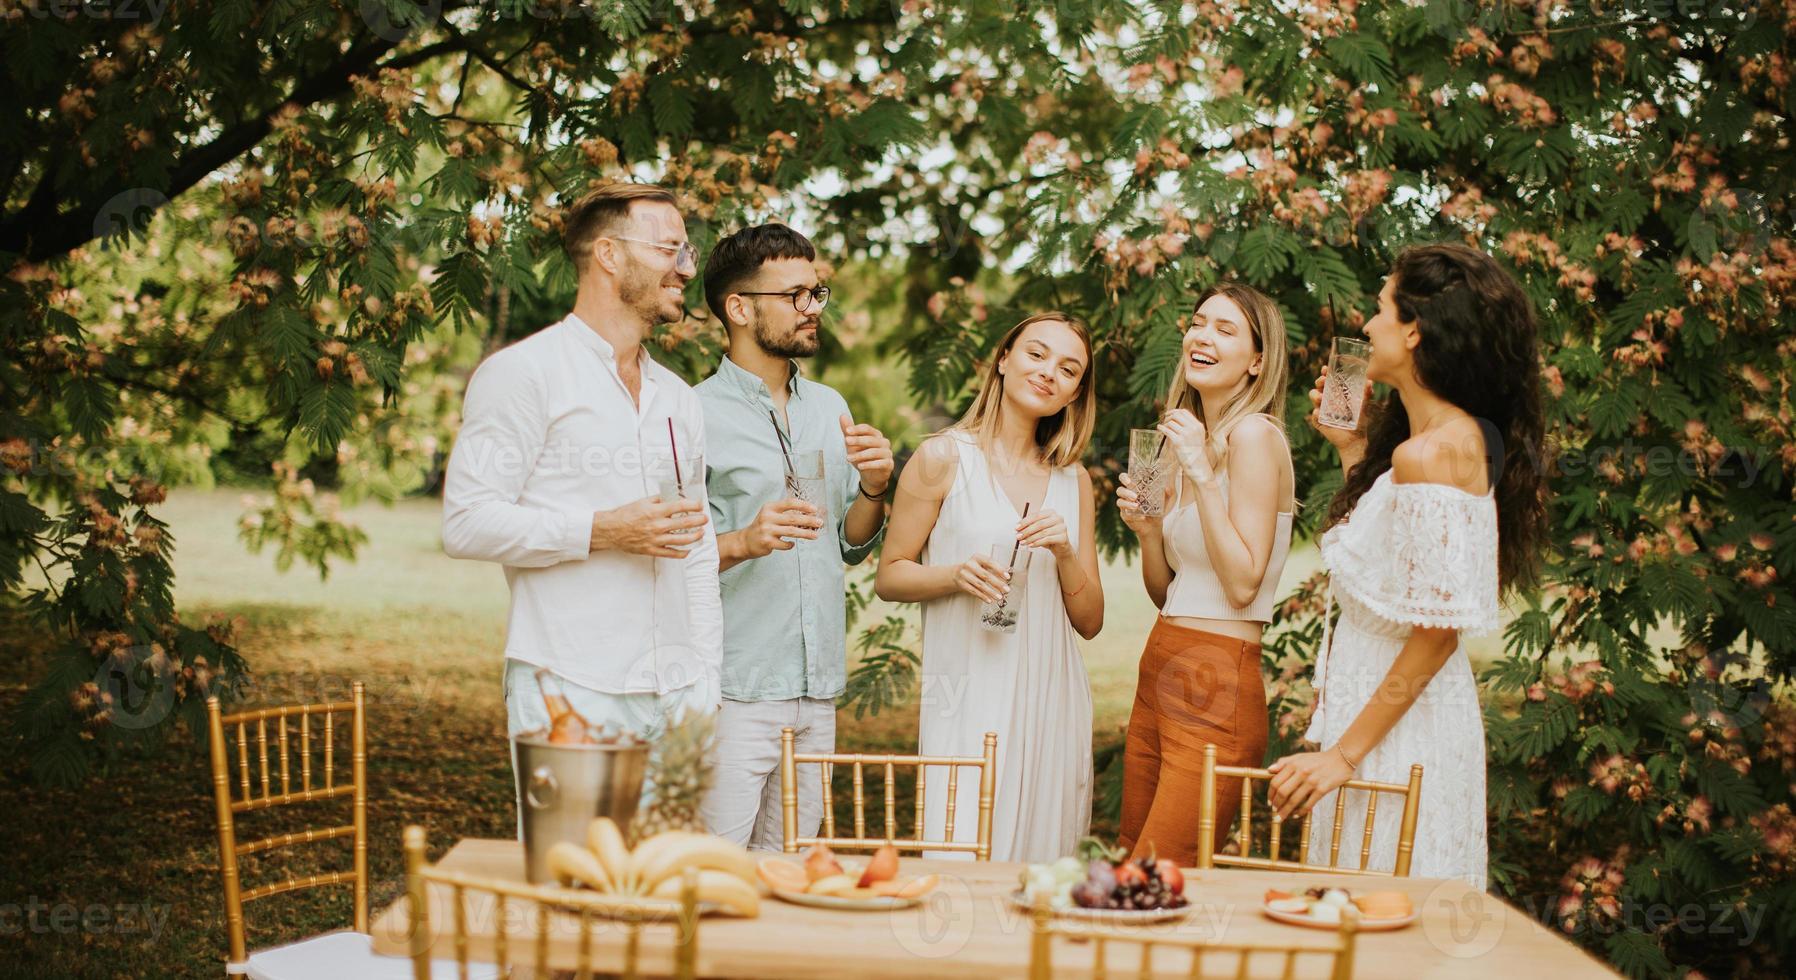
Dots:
pixel 1410 554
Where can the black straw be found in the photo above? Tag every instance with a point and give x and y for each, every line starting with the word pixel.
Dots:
pixel 785 450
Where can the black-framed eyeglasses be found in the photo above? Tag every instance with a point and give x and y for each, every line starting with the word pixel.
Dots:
pixel 685 253
pixel 803 300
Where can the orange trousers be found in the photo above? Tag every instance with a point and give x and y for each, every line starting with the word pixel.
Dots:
pixel 1196 688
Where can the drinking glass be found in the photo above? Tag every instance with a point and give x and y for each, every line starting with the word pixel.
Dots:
pixel 805 480
pixel 1344 391
pixel 671 483
pixel 1148 469
pixel 1001 616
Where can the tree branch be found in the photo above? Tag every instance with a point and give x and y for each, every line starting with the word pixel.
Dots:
pixel 38 235
pixel 186 396
pixel 498 67
pixel 413 58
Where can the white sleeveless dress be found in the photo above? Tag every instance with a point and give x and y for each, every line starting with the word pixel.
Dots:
pixel 1029 686
pixel 1410 554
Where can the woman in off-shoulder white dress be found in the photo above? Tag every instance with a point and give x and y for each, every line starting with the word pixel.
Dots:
pixel 1441 510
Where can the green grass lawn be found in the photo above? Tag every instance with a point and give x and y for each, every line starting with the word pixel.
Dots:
pixel 425 634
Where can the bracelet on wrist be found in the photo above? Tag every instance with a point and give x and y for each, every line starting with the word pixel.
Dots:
pixel 1351 765
pixel 879 499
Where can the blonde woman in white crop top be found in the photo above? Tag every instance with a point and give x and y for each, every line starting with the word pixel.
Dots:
pixel 1212 565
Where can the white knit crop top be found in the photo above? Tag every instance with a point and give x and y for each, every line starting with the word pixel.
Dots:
pixel 1195 591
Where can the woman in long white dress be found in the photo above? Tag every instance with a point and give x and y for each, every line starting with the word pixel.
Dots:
pixel 961 497
pixel 1441 510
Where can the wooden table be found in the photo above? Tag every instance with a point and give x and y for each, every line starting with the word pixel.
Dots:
pixel 968 928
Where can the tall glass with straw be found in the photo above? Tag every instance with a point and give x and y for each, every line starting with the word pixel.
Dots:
pixel 1002 616
pixel 675 479
pixel 804 473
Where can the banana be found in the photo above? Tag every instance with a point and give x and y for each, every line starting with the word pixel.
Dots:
pixel 723 887
pixel 607 841
pixel 648 852
pixel 573 864
pixel 656 861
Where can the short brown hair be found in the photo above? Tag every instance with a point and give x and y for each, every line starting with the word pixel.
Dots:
pixel 737 258
pixel 600 212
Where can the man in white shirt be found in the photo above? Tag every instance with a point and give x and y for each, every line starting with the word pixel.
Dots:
pixel 556 473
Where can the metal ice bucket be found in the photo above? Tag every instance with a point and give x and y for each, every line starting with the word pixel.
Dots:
pixel 563 787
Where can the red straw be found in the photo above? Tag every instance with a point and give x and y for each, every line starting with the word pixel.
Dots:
pixel 679 482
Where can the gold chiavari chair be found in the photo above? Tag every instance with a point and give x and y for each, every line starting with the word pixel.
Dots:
pixel 790 760
pixel 547 910
pixel 1044 929
pixel 1411 795
pixel 302 728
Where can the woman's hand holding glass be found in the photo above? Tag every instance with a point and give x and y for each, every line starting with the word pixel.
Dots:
pixel 1128 504
pixel 982 578
pixel 1347 442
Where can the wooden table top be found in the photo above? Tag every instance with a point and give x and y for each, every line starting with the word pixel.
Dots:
pixel 968 928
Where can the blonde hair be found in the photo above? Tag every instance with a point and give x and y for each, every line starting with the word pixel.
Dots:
pixel 1265 392
pixel 1061 438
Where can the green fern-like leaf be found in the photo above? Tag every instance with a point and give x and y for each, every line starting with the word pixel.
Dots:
pixel 1157 361
pixel 1732 793
pixel 460 288
pixel 1548 723
pixel 1584 804
pixel 1265 251
pixel 60 760
pixel 1637 954
pixel 1328 277
pixel 1364 55
pixel 672 106
pixel 886 123
pixel 887 671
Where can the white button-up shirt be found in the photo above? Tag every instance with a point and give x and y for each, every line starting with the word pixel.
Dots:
pixel 549 435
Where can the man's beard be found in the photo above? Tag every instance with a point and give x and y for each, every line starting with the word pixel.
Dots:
pixel 640 290
pixel 793 345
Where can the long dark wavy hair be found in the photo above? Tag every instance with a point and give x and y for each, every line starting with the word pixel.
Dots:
pixel 1478 351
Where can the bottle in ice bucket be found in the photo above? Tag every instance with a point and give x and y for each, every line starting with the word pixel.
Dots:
pixel 569 773
pixel 566 725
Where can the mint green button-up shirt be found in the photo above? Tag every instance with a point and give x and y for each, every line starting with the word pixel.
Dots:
pixel 784 626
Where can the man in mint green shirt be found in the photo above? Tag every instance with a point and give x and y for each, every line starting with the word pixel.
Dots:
pixel 781 558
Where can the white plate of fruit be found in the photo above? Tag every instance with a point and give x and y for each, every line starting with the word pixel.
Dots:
pixel 825 882
pixel 1106 886
pixel 1321 908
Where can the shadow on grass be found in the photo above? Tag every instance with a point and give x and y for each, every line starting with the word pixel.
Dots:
pixel 118 878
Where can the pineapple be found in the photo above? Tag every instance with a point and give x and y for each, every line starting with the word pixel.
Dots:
pixel 679 776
